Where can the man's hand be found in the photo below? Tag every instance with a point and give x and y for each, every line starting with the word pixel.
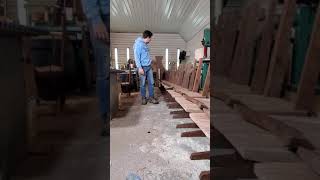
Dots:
pixel 141 71
pixel 100 32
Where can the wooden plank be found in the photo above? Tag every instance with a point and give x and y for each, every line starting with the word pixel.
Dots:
pixel 251 141
pixel 264 51
pixel 279 63
pixel 284 171
pixel 242 64
pixel 192 77
pixel 197 133
pixel 245 171
pixel 197 78
pixel 188 106
pixel 187 125
pixel 180 116
pixel 311 158
pixel 179 112
pixel 187 74
pixel 200 155
pixel 204 175
pixel 206 87
pixel 203 122
pixel 288 135
pixel 310 73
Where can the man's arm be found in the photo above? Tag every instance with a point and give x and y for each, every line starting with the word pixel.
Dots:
pixel 137 58
pixel 137 55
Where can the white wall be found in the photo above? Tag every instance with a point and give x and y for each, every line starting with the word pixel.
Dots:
pixel 195 43
pixel 157 46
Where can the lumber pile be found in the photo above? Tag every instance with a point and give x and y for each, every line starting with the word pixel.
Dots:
pixel 182 92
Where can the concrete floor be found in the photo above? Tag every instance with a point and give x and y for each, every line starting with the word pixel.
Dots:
pixel 68 146
pixel 145 141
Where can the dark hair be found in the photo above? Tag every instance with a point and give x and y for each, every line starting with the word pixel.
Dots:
pixel 147 34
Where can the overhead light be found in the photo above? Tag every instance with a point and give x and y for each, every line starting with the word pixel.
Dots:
pixel 167 59
pixel 128 54
pixel 178 55
pixel 116 57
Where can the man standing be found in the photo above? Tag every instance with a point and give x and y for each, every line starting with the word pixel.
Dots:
pixel 143 63
pixel 98 16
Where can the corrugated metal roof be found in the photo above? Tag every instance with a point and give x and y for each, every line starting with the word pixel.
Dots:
pixel 186 17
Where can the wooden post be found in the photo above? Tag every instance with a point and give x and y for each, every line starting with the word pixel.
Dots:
pixel 311 69
pixel 280 56
pixel 197 78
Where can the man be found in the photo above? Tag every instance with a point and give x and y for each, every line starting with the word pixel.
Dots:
pixel 98 16
pixel 143 63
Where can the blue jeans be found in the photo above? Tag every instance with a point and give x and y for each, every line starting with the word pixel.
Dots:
pixel 101 51
pixel 148 74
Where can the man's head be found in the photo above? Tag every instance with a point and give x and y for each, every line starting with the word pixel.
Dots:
pixel 146 35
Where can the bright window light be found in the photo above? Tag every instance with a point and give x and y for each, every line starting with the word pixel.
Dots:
pixel 167 59
pixel 178 54
pixel 128 54
pixel 116 57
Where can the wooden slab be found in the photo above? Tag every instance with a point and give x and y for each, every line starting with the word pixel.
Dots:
pixel 264 51
pixel 284 171
pixel 197 78
pixel 311 158
pixel 250 141
pixel 310 74
pixel 192 77
pixel 188 106
pixel 203 122
pixel 279 63
pixel 206 87
pixel 204 101
pixel 244 55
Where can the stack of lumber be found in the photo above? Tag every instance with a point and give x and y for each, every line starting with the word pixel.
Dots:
pixel 182 92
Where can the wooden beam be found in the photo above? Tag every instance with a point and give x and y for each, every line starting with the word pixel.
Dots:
pixel 280 56
pixel 197 78
pixel 200 155
pixel 206 87
pixel 245 171
pixel 204 175
pixel 264 52
pixel 180 116
pixel 187 125
pixel 174 106
pixel 310 74
pixel 197 133
pixel 178 112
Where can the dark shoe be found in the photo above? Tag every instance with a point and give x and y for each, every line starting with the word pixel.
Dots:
pixel 144 101
pixel 153 100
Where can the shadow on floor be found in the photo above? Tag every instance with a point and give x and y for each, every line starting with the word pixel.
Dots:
pixel 67 146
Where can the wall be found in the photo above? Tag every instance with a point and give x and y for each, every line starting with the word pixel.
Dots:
pixel 195 43
pixel 157 46
pixel 12 9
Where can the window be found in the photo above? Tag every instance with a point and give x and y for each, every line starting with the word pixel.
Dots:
pixel 116 57
pixel 178 55
pixel 167 59
pixel 128 54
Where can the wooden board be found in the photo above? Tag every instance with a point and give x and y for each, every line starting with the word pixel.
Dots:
pixel 284 171
pixel 250 141
pixel 192 77
pixel 203 122
pixel 264 51
pixel 206 87
pixel 188 106
pixel 279 63
pixel 187 74
pixel 243 59
pixel 311 158
pixel 310 74
pixel 197 78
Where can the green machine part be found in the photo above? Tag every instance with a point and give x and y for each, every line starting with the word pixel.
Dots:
pixel 205 67
pixel 206 37
pixel 303 27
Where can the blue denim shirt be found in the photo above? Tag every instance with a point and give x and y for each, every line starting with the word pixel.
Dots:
pixel 141 53
pixel 94 9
